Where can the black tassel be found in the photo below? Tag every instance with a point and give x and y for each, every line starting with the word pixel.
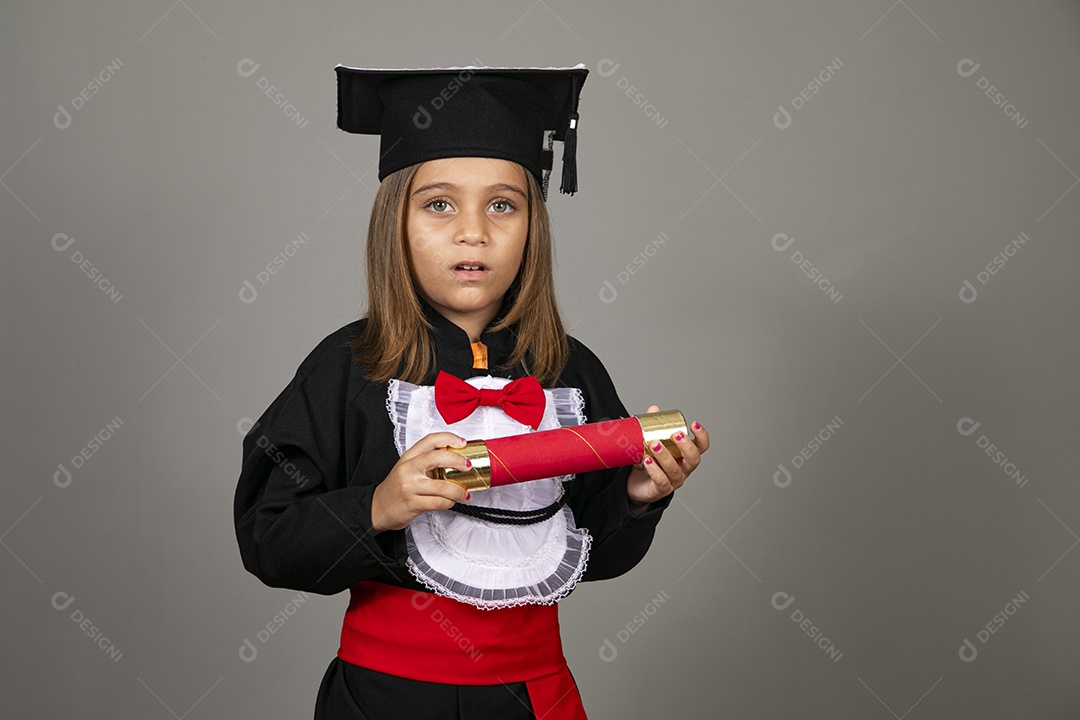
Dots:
pixel 569 158
pixel 545 164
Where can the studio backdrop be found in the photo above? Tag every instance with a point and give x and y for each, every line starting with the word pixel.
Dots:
pixel 840 234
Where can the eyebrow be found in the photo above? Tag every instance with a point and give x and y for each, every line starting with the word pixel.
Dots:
pixel 451 186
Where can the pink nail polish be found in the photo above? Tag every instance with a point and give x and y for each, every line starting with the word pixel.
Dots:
pixel 648 461
pixel 697 426
pixel 468 463
pixel 656 447
pixel 468 496
pixel 680 436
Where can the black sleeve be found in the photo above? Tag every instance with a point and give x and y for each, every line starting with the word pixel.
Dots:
pixel 598 499
pixel 303 520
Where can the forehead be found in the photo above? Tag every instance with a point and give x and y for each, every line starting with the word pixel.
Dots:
pixel 470 171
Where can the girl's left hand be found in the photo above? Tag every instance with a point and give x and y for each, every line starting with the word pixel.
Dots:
pixel 658 476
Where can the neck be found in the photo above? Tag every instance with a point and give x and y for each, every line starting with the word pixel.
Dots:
pixel 473 323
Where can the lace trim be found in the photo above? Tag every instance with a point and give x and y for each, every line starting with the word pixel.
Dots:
pixel 569 406
pixel 547 592
pixel 398 397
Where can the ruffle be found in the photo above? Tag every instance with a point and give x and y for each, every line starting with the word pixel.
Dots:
pixel 495 582
pixel 484 564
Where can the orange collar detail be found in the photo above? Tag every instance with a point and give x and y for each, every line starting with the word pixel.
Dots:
pixel 479 355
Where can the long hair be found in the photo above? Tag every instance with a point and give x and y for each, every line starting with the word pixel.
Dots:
pixel 395 340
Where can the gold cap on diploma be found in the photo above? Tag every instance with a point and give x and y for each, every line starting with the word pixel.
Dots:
pixel 661 426
pixel 478 477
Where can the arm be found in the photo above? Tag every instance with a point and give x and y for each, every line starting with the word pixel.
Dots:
pixel 301 522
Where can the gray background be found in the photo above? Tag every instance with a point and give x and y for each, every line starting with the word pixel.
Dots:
pixel 898 180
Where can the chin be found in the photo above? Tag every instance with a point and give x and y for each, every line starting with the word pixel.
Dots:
pixel 470 301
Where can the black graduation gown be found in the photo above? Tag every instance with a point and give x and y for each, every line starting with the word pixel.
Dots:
pixel 302 506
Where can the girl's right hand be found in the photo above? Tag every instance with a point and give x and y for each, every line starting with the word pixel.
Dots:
pixel 408 490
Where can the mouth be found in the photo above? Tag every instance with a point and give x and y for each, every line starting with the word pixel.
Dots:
pixel 469 270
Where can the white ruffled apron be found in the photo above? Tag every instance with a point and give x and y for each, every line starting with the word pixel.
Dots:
pixel 474 561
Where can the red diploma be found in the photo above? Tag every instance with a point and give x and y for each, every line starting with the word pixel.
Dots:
pixel 566 451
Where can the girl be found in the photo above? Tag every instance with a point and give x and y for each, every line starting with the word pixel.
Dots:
pixel 453 595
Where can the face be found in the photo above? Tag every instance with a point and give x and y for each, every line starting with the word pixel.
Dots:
pixel 466 226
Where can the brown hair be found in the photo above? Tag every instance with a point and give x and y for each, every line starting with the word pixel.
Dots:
pixel 395 340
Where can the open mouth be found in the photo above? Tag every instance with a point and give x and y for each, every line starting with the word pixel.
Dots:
pixel 469 270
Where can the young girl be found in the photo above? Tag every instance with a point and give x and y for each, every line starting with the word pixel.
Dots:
pixel 453 594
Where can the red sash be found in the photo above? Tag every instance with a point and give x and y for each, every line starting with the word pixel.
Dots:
pixel 422 636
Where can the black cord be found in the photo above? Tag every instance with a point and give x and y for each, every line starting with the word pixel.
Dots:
pixel 502 516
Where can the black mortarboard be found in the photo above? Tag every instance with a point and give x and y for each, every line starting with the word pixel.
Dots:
pixel 429 113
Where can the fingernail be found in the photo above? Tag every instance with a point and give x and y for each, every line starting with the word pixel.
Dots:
pixel 656 447
pixel 461 439
pixel 697 426
pixel 648 461
pixel 680 436
pixel 468 463
pixel 468 496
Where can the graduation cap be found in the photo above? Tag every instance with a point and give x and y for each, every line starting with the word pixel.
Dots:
pixel 428 113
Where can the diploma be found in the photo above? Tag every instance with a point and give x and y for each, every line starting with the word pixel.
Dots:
pixel 565 451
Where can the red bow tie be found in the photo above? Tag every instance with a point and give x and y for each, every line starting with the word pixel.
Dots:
pixel 522 399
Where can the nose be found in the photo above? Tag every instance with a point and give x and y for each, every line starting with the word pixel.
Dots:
pixel 471 227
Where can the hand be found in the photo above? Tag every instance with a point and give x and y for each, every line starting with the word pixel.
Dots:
pixel 659 473
pixel 408 490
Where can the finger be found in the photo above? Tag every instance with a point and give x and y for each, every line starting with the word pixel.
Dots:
pixel 701 436
pixel 431 503
pixel 691 456
pixel 653 408
pixel 433 441
pixel 661 482
pixel 441 458
pixel 427 487
pixel 667 463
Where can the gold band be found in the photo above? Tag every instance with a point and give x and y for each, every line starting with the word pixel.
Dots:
pixel 478 477
pixel 661 426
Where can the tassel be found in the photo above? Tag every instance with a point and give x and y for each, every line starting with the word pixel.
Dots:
pixel 545 163
pixel 569 158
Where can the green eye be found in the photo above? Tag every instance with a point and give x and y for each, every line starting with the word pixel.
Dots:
pixel 438 205
pixel 502 206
